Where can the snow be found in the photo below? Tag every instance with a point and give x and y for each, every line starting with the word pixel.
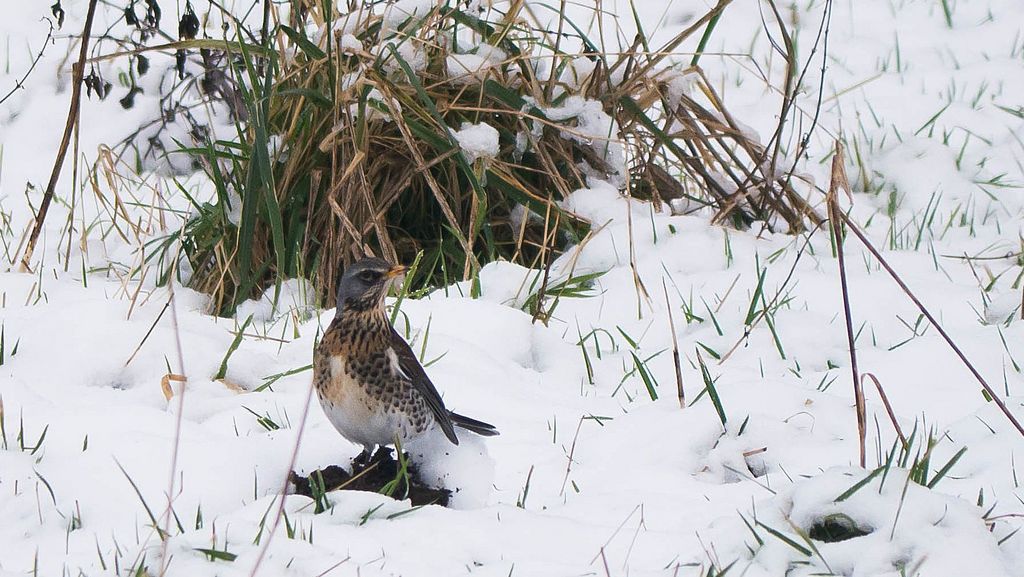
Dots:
pixel 474 66
pixel 679 84
pixel 410 51
pixel 926 532
pixel 350 44
pixel 477 140
pixel 398 12
pixel 293 296
pixel 589 471
pixel 595 128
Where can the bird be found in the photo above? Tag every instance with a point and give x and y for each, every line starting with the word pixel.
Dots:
pixel 370 384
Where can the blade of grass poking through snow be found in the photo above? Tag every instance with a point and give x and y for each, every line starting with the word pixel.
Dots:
pixel 319 492
pixel 402 480
pixel 758 291
pixel 3 426
pixel 677 362
pixel 632 343
pixel 931 318
pixel 945 468
pixel 887 466
pixel 757 537
pixel 648 379
pixel 709 386
pixel 859 485
pixel 270 380
pixel 714 354
pixel 781 537
pixel 947 12
pixel 839 182
pixel 582 344
pixel 149 512
pixel 223 370
pixel 216 555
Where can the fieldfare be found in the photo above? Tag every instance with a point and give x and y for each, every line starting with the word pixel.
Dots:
pixel 370 384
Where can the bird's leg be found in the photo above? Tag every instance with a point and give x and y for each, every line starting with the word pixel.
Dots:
pixel 381 454
pixel 363 458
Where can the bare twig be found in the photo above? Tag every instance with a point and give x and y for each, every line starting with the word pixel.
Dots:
pixel 169 513
pixel 76 99
pixel 569 457
pixel 287 479
pixel 839 182
pixel 21 81
pixel 931 318
pixel 888 407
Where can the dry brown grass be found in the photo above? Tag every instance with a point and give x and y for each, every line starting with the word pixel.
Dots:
pixel 372 164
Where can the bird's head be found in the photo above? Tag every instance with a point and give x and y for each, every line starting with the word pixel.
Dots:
pixel 365 282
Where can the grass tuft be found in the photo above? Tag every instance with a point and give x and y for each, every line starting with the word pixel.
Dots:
pixel 350 141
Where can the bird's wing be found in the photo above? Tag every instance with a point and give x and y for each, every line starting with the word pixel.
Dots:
pixel 410 367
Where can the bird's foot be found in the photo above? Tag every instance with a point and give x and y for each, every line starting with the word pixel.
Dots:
pixel 362 459
pixel 382 453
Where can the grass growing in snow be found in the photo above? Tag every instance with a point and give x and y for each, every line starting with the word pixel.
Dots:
pixel 740 302
pixel 351 142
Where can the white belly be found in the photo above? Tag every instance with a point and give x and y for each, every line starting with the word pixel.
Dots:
pixel 362 420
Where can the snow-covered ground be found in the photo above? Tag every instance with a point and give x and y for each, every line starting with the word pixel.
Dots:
pixel 598 470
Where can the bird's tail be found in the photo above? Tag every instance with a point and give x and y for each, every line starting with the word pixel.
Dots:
pixel 473 425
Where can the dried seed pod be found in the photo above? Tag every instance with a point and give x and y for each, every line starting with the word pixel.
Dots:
pixel 152 14
pixel 179 63
pixel 58 13
pixel 129 15
pixel 188 26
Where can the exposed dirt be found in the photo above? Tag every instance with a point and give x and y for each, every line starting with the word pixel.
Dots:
pixel 372 476
pixel 836 527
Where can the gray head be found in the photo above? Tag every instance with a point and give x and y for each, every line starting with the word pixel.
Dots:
pixel 365 282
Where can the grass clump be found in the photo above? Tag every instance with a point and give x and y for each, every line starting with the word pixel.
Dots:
pixel 364 133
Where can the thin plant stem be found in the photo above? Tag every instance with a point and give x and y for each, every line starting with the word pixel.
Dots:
pixel 839 215
pixel 888 407
pixel 73 113
pixel 931 318
pixel 675 348
pixel 839 181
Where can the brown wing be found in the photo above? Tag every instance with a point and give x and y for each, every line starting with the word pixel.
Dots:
pixel 410 365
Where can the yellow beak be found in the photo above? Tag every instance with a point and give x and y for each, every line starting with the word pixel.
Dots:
pixel 396 271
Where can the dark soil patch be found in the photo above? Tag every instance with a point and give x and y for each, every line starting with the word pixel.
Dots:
pixel 372 476
pixel 836 527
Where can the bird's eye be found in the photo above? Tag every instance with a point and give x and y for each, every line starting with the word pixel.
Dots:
pixel 369 275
